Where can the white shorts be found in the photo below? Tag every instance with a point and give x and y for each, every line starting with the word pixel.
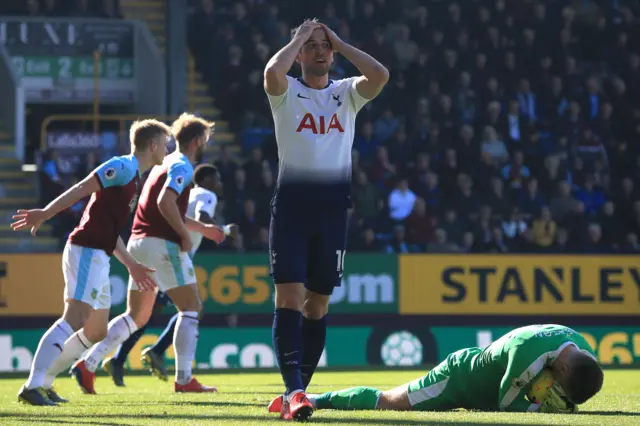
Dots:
pixel 174 268
pixel 86 276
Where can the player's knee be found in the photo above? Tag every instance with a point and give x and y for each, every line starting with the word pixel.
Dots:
pixel 316 306
pixel 96 333
pixel 290 296
pixel 76 315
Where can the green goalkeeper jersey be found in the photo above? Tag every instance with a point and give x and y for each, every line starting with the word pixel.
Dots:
pixel 509 365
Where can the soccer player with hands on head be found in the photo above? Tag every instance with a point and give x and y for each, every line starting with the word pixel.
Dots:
pixel 314 121
pixel 161 237
pixel 114 189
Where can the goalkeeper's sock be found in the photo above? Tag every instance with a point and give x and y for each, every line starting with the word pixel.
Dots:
pixel 360 398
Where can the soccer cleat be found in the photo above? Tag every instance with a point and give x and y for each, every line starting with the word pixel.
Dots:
pixel 300 407
pixel 53 396
pixel 285 410
pixel 37 396
pixel 275 406
pixel 154 363
pixel 193 387
pixel 115 370
pixel 85 378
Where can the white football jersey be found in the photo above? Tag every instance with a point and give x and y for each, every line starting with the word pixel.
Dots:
pixel 314 132
pixel 200 200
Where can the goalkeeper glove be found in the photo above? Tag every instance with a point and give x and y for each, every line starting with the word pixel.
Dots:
pixel 557 402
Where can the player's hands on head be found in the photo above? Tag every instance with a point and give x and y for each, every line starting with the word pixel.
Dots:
pixel 305 30
pixel 141 275
pixel 335 41
pixel 29 219
pixel 214 233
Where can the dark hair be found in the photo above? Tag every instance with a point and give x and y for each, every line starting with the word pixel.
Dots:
pixel 584 378
pixel 204 171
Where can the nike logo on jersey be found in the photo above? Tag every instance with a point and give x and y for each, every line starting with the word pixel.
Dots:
pixel 337 99
pixel 302 97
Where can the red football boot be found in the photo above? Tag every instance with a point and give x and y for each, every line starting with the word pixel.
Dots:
pixel 85 378
pixel 285 412
pixel 275 406
pixel 300 407
pixel 194 387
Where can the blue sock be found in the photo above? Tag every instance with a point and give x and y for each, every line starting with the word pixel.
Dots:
pixel 314 334
pixel 123 350
pixel 287 343
pixel 166 338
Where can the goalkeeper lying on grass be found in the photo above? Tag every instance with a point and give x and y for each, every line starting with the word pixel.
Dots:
pixel 498 377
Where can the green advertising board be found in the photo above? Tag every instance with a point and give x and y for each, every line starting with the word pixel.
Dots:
pixel 234 283
pixel 218 348
pixel 613 345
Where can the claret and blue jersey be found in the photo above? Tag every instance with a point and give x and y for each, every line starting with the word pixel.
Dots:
pixel 107 212
pixel 175 174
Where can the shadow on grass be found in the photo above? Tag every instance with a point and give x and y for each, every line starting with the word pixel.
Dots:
pixel 60 419
pixel 610 413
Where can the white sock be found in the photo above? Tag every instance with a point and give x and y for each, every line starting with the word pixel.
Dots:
pixel 120 328
pixel 73 349
pixel 49 349
pixel 185 341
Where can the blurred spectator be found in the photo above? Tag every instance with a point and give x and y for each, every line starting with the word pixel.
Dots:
pixel 398 243
pixel 420 227
pixel 494 146
pixel 442 244
pixel 401 201
pixel 366 198
pixel 544 229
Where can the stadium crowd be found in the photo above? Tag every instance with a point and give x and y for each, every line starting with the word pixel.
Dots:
pixel 507 126
pixel 61 8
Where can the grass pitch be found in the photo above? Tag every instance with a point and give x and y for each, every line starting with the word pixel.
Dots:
pixel 244 396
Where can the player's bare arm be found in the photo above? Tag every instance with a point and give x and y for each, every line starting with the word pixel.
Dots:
pixel 374 74
pixel 167 204
pixel 36 217
pixel 138 271
pixel 275 73
pixel 210 231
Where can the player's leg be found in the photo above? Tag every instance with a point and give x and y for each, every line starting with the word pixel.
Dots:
pixel 179 282
pixel 153 356
pixel 82 269
pixel 94 330
pixel 114 366
pixel 358 398
pixel 325 269
pixel 139 307
pixel 288 257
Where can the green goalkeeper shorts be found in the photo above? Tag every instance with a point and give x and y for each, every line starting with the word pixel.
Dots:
pixel 433 391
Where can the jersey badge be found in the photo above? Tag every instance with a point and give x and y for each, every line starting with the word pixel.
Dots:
pixel 180 180
pixel 337 99
pixel 302 97
pixel 110 173
pixel 518 383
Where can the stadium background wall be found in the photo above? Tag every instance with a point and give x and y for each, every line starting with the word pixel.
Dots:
pixel 390 310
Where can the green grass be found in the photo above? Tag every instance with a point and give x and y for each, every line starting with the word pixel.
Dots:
pixel 244 396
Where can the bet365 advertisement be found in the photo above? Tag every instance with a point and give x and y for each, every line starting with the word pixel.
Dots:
pixel 346 346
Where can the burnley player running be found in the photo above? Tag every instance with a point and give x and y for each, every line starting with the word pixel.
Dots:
pixel 114 188
pixel 314 122
pixel 203 199
pixel 160 237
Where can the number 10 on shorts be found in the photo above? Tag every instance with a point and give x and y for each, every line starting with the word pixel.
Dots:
pixel 340 254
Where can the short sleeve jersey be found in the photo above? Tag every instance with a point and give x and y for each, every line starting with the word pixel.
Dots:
pixel 200 200
pixel 174 174
pixel 107 212
pixel 314 133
